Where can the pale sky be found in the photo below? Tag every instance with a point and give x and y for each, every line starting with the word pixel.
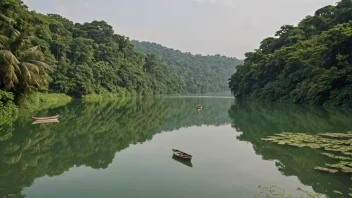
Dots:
pixel 227 27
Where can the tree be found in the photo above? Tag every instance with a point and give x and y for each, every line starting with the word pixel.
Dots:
pixel 21 65
pixel 310 63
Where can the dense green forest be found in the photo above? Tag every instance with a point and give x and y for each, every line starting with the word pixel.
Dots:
pixel 50 53
pixel 201 74
pixel 308 63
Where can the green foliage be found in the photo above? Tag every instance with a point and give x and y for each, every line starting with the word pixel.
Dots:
pixel 104 96
pixel 89 59
pixel 21 64
pixel 198 74
pixel 273 191
pixel 310 63
pixel 36 101
pixel 8 113
pixel 338 144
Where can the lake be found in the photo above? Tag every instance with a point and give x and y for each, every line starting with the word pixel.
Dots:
pixel 123 148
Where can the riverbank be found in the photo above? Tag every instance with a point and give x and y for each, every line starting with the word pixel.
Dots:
pixel 43 100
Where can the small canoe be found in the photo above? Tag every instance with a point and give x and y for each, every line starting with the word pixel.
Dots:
pixel 199 107
pixel 182 155
pixel 46 121
pixel 45 118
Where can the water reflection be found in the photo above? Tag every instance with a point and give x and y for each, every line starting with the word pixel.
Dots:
pixel 259 120
pixel 184 162
pixel 90 134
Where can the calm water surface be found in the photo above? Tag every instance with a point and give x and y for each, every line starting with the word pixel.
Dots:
pixel 123 149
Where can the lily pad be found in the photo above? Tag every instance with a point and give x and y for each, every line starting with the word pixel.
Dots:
pixel 326 169
pixel 337 146
pixel 338 192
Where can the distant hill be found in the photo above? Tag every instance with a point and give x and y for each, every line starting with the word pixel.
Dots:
pixel 200 74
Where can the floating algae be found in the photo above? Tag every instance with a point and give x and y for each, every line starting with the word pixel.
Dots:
pixel 326 169
pixel 337 146
pixel 338 192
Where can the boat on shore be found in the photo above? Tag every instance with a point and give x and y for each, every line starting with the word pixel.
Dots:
pixel 45 121
pixel 181 154
pixel 46 118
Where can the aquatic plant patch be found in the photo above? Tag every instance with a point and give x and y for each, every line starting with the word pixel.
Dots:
pixel 337 146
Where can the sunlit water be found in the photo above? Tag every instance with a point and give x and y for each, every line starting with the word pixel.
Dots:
pixel 123 149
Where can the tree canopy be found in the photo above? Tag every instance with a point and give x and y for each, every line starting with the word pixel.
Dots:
pixel 50 52
pixel 308 63
pixel 199 74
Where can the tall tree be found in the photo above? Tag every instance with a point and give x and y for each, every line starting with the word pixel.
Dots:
pixel 21 64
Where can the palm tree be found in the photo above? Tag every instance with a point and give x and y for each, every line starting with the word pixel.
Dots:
pixel 22 65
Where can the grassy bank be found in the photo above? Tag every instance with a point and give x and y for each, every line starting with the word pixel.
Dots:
pixel 108 96
pixel 37 101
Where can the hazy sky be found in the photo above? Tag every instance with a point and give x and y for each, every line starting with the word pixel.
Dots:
pixel 228 27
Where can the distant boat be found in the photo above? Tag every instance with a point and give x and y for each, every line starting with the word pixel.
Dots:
pixel 182 155
pixel 199 107
pixel 46 121
pixel 45 118
pixel 185 162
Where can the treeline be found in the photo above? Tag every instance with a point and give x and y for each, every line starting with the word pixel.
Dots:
pixel 308 63
pixel 199 74
pixel 51 53
pixel 88 58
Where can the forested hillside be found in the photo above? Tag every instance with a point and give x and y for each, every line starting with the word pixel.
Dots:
pixel 201 74
pixel 308 63
pixel 52 53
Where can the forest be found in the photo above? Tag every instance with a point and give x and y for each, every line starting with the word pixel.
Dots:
pixel 201 74
pixel 309 63
pixel 49 53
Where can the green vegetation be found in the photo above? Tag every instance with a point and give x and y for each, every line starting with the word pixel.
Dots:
pixel 50 53
pixel 198 74
pixel 8 112
pixel 36 101
pixel 258 120
pixel 90 58
pixel 309 63
pixel 338 146
pixel 273 191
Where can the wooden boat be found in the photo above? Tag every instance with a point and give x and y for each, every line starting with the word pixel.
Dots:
pixel 184 162
pixel 182 155
pixel 45 118
pixel 46 121
pixel 199 107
